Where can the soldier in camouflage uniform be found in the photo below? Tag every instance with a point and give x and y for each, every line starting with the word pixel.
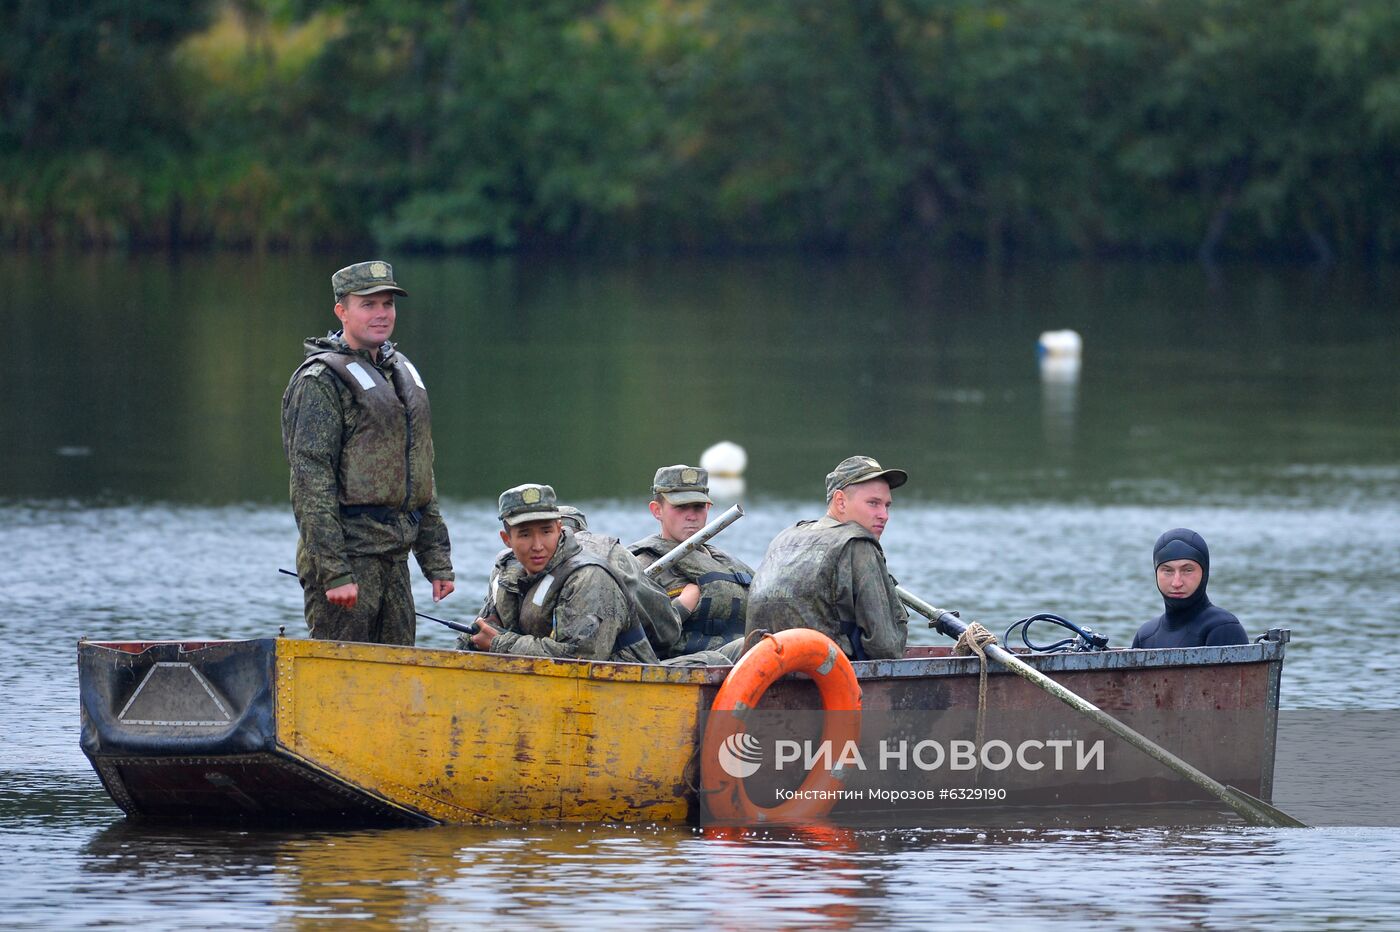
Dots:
pixel 357 431
pixel 550 597
pixel 681 503
pixel 830 574
pixel 660 616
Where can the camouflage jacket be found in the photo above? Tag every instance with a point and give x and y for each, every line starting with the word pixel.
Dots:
pixel 587 616
pixel 320 414
pixel 831 576
pixel 660 615
pixel 724 590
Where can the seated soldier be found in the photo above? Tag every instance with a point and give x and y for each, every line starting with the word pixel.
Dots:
pixel 681 504
pixel 830 574
pixel 1191 619
pixel 550 598
pixel 660 617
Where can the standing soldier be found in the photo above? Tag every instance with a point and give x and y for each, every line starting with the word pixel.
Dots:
pixel 357 432
pixel 830 574
pixel 714 616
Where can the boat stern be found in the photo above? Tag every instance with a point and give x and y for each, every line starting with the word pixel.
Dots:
pixel 186 731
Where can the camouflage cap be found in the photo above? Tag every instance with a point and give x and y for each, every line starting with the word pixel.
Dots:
pixel 365 278
pixel 574 518
pixel 682 485
pixel 528 502
pixel 856 469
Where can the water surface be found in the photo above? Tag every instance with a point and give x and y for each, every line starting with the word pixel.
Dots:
pixel 142 494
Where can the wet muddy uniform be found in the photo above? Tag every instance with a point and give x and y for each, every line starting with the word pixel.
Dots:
pixel 724 591
pixel 575 607
pixel 658 614
pixel 830 576
pixel 358 437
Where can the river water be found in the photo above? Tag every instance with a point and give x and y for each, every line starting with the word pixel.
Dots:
pixel 142 494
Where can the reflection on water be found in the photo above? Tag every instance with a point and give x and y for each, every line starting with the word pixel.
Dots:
pixel 1059 353
pixel 168 376
pixel 635 876
pixel 142 494
pixel 1059 405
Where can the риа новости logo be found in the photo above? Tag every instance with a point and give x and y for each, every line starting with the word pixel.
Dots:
pixel 740 755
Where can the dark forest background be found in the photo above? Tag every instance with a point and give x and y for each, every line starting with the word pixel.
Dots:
pixel 1048 127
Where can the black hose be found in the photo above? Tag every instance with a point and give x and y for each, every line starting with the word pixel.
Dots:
pixel 1084 639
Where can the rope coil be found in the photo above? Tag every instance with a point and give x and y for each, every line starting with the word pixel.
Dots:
pixel 974 640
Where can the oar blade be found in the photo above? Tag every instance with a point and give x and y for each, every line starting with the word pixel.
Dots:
pixel 1263 813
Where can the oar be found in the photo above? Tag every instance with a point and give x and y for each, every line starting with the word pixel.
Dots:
pixel 1253 810
pixel 732 514
pixel 454 625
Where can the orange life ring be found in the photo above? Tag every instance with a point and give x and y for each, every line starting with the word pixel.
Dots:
pixel 796 650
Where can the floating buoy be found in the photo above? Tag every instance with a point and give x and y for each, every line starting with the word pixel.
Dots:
pixel 1060 343
pixel 725 462
pixel 1059 353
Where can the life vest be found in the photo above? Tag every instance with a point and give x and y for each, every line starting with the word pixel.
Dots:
pixel 796 585
pixel 531 612
pixel 724 591
pixel 387 461
pixel 655 610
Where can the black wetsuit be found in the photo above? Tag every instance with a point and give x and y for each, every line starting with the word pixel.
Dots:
pixel 1192 621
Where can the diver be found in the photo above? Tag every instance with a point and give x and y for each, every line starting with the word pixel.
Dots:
pixel 1182 561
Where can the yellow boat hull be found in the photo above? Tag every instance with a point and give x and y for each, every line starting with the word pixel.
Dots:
pixel 521 739
pixel 321 731
pixel 285 727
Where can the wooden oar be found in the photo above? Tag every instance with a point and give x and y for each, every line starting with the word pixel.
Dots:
pixel 732 514
pixel 1252 809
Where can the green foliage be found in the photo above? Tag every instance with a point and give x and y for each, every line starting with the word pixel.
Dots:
pixel 90 121
pixel 1059 126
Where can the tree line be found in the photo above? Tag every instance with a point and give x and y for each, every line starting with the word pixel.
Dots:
pixel 1048 127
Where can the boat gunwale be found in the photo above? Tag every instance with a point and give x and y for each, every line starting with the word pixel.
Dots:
pixel 1114 659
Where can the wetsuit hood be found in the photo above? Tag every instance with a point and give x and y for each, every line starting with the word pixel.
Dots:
pixel 1193 621
pixel 1183 544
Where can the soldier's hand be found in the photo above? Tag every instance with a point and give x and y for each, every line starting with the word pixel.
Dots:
pixel 442 588
pixel 485 634
pixel 689 597
pixel 345 596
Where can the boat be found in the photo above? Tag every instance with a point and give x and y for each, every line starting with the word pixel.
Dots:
pixel 291 730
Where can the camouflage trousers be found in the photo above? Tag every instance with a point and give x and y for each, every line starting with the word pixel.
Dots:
pixel 726 655
pixel 383 613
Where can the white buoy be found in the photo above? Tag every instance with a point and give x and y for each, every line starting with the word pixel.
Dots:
pixel 1059 352
pixel 726 462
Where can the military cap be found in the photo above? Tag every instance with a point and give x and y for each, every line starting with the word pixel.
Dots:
pixel 856 469
pixel 682 485
pixel 528 502
pixel 365 278
pixel 574 518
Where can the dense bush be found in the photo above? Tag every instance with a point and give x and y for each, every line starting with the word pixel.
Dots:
pixel 1161 127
